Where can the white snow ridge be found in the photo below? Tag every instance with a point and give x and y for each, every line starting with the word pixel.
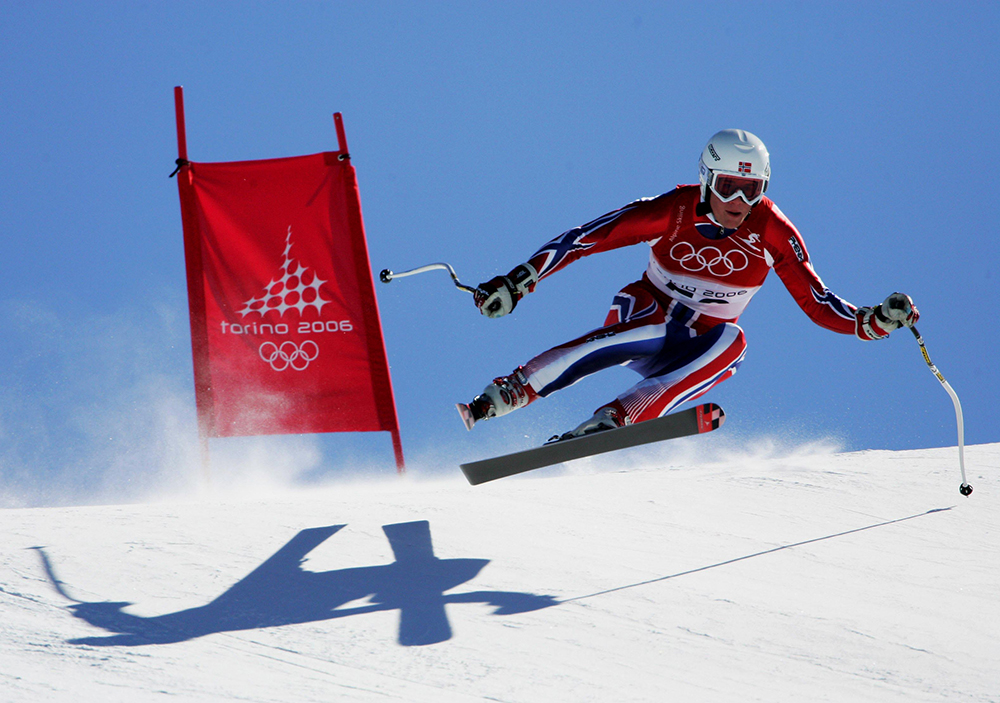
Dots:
pixel 803 577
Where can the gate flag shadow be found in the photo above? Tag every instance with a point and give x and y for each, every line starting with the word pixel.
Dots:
pixel 280 592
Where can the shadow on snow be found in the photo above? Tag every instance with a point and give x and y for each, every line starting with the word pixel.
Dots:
pixel 281 592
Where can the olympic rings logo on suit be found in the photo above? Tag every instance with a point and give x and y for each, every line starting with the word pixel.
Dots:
pixel 708 258
pixel 289 354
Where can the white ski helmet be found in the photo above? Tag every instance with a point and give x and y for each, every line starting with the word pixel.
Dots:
pixel 731 161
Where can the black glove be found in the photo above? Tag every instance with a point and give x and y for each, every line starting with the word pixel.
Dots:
pixel 499 295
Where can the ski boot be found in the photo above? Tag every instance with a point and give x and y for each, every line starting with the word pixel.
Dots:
pixel 505 395
pixel 608 417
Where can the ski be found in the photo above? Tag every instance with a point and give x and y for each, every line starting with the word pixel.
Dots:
pixel 702 418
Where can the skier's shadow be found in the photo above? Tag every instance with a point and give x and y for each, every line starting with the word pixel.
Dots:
pixel 281 592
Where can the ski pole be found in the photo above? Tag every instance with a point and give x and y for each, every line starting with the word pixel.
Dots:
pixel 386 275
pixel 965 489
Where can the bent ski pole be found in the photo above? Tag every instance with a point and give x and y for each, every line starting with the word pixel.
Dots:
pixel 386 275
pixel 965 489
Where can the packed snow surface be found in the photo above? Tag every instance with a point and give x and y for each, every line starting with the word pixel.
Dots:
pixel 803 575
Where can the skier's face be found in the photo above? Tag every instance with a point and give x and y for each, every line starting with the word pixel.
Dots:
pixel 730 215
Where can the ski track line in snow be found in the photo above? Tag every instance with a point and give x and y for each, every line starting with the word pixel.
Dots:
pixel 754 555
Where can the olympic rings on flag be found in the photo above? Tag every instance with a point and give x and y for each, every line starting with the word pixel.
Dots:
pixel 708 258
pixel 289 354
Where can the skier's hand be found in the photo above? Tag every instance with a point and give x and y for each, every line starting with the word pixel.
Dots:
pixel 899 308
pixel 499 295
pixel 877 322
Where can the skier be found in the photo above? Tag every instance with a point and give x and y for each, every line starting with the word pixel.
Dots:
pixel 711 247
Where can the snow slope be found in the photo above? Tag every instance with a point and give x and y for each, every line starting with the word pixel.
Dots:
pixel 643 576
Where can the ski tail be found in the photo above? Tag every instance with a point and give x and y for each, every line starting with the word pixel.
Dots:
pixel 710 417
pixel 466 412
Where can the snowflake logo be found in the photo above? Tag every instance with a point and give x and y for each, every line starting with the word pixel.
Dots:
pixel 297 287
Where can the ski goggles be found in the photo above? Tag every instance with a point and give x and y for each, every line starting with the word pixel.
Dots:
pixel 728 187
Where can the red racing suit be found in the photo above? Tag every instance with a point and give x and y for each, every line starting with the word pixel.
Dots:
pixel 676 326
pixel 688 262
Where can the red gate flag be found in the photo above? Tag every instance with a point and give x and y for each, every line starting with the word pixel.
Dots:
pixel 285 327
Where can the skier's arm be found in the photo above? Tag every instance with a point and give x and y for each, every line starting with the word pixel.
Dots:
pixel 642 220
pixel 823 306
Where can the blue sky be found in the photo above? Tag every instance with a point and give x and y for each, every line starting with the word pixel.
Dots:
pixel 479 131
